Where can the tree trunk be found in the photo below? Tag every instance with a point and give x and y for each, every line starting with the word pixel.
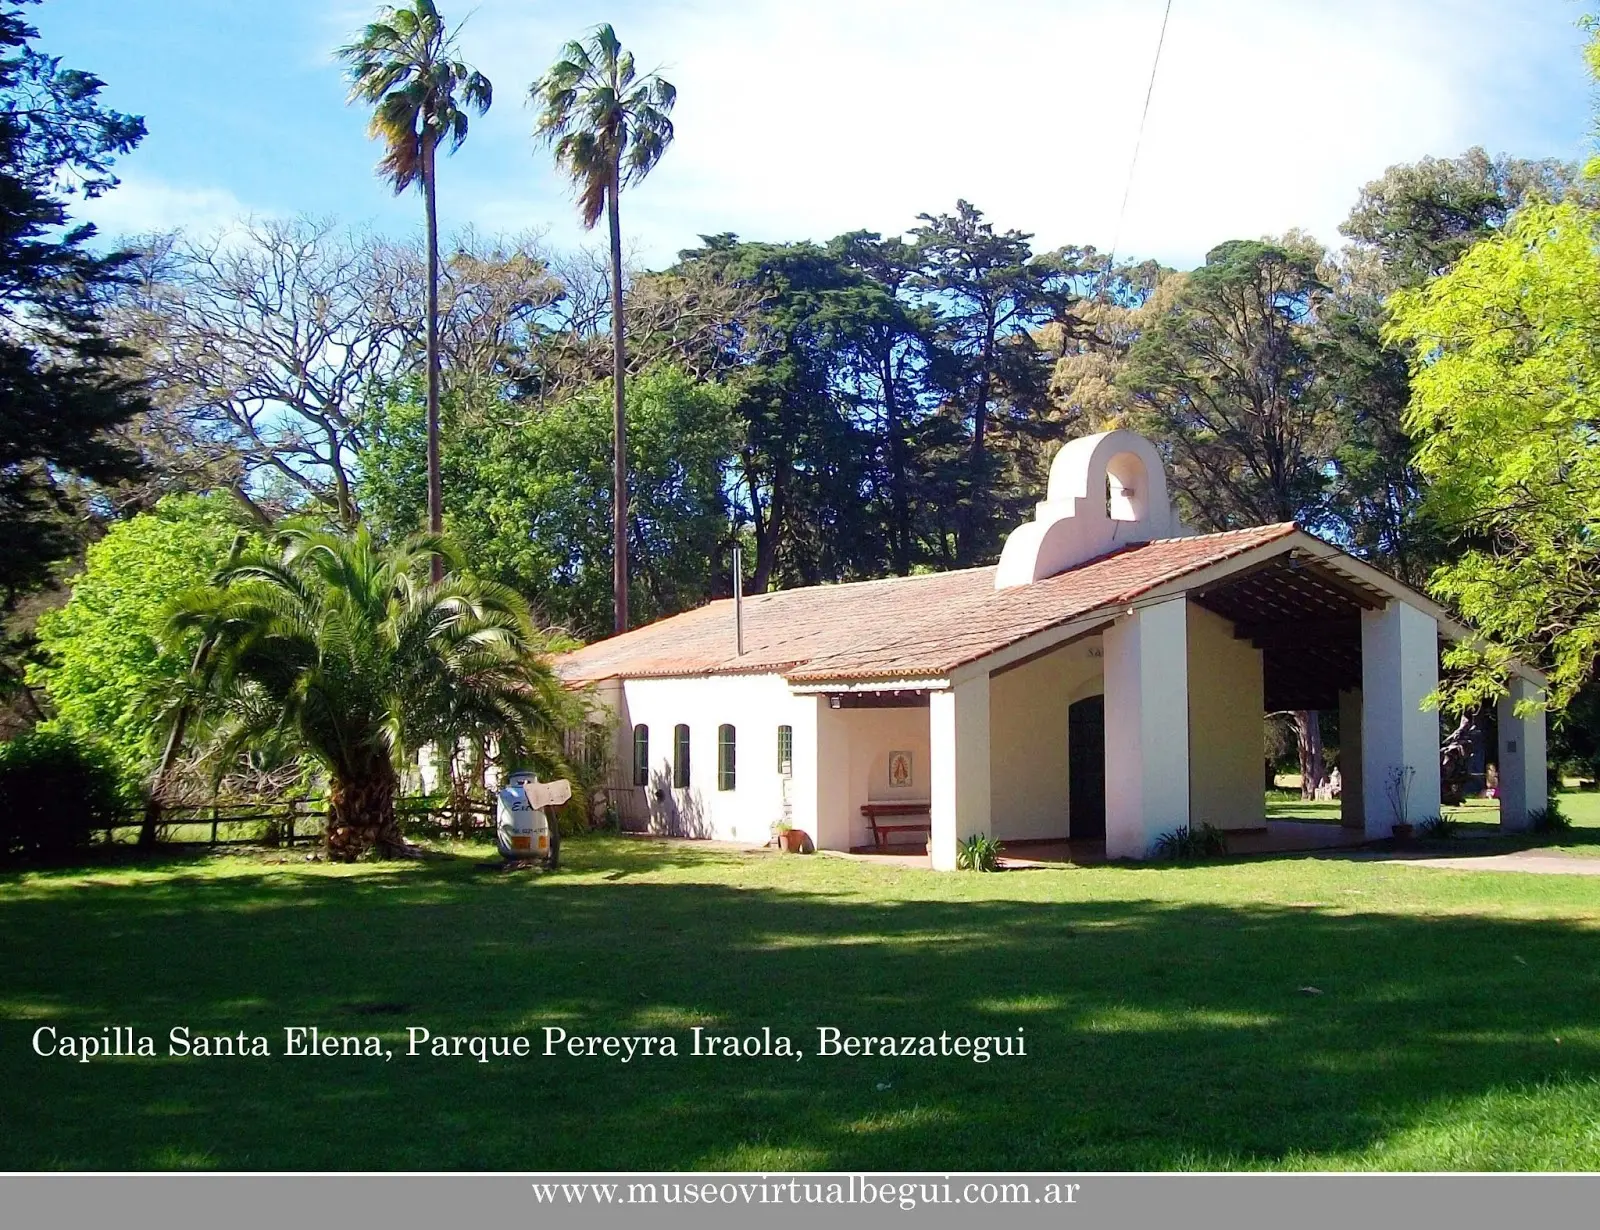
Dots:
pixel 1308 737
pixel 435 481
pixel 361 817
pixel 900 501
pixel 201 665
pixel 619 419
pixel 969 515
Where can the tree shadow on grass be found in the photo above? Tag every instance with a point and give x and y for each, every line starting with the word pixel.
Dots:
pixel 1158 1034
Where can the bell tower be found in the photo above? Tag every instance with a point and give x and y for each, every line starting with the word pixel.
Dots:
pixel 1106 491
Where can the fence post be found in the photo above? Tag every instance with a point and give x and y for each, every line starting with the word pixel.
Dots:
pixel 213 822
pixel 289 836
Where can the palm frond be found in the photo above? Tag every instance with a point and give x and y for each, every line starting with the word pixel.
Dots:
pixel 345 653
pixel 605 130
pixel 404 66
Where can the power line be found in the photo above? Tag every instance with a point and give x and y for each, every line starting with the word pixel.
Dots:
pixel 1138 140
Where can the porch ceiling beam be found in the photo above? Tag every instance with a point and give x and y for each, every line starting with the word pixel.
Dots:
pixel 1296 631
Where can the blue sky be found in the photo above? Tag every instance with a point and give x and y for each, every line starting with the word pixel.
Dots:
pixel 802 120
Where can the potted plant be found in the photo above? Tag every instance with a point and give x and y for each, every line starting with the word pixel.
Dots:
pixel 788 838
pixel 1398 788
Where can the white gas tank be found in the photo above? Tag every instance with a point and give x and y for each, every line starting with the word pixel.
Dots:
pixel 521 828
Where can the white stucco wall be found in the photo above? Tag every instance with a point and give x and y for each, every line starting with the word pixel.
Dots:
pixel 755 705
pixel 1524 779
pixel 958 735
pixel 870 735
pixel 1225 712
pixel 1147 727
pixel 1029 777
pixel 840 759
pixel 1399 670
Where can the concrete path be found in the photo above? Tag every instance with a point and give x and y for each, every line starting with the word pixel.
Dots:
pixel 1539 862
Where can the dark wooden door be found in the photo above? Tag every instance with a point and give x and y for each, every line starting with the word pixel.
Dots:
pixel 1086 767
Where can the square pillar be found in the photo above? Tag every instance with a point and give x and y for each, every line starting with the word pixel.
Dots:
pixel 1147 727
pixel 1399 669
pixel 820 782
pixel 958 730
pixel 1352 804
pixel 1524 778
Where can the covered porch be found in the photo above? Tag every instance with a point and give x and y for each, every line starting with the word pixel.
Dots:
pixel 1091 741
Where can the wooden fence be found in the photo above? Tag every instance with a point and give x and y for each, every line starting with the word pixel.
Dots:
pixel 286 822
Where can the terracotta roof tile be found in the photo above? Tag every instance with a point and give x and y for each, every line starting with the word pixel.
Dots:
pixel 904 627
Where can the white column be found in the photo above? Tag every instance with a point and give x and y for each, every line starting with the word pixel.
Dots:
pixel 1399 668
pixel 1352 801
pixel 1147 727
pixel 1524 781
pixel 958 729
pixel 820 788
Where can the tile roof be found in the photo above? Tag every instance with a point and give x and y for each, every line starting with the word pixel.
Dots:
pixel 902 627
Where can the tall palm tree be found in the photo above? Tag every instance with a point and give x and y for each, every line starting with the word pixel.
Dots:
pixel 608 128
pixel 404 66
pixel 345 652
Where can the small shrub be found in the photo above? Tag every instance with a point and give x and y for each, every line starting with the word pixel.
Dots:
pixel 572 818
pixel 979 852
pixel 1184 843
pixel 55 791
pixel 1438 828
pixel 1550 818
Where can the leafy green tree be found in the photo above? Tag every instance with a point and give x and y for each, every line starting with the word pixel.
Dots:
pixel 1375 494
pixel 1506 400
pixel 800 471
pixel 56 791
pixel 608 128
pixel 102 662
pixel 533 491
pixel 1411 224
pixel 1226 380
pixel 989 293
pixel 884 342
pixel 348 652
pixel 60 394
pixel 404 65
pixel 1418 218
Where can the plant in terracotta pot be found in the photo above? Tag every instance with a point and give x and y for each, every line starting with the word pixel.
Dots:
pixel 788 838
pixel 1398 790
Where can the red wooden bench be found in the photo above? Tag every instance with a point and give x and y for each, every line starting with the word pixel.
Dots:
pixel 880 832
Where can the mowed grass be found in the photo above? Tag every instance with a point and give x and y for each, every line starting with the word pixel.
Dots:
pixel 1474 819
pixel 1284 1013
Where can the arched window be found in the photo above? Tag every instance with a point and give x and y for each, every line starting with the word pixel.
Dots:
pixel 1126 498
pixel 641 755
pixel 680 757
pixel 785 751
pixel 726 757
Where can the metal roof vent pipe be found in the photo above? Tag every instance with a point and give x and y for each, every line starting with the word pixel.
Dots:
pixel 738 602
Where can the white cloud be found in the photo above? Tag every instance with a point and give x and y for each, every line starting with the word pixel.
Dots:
pixel 141 204
pixel 804 120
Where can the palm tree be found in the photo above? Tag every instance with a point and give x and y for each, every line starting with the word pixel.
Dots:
pixel 404 65
pixel 347 653
pixel 608 128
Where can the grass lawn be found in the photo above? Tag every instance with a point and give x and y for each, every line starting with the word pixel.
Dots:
pixel 1169 1016
pixel 1476 818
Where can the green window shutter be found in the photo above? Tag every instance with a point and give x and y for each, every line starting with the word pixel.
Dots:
pixel 680 757
pixel 725 757
pixel 785 751
pixel 641 755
